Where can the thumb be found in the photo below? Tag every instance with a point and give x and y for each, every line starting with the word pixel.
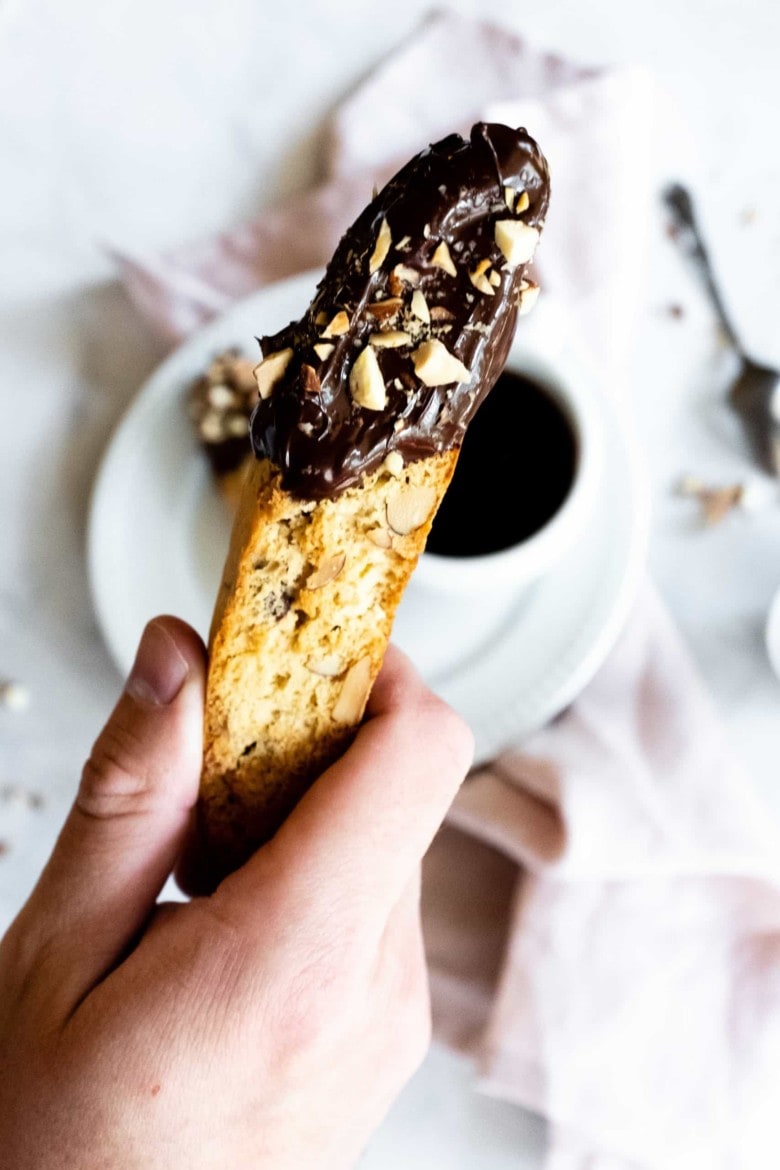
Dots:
pixel 121 838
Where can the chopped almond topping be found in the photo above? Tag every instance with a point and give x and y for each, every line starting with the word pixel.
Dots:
pixel 382 246
pixel 270 371
pixel 407 275
pixel 516 240
pixel 338 325
pixel 311 383
pixel 386 308
pixel 366 384
pixel 527 298
pixel 441 258
pixel 420 307
pixel 434 365
pixel 390 339
pixel 394 463
pixel 479 278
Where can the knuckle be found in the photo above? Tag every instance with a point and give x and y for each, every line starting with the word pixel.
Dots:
pixel 451 732
pixel 114 781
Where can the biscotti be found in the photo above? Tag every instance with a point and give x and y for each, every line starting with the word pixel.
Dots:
pixel 220 403
pixel 363 406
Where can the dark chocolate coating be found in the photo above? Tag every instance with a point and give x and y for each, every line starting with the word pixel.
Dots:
pixel 453 192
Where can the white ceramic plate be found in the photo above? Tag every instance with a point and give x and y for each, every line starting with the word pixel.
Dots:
pixel 158 535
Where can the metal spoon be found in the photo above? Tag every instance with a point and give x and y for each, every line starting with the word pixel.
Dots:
pixel 755 392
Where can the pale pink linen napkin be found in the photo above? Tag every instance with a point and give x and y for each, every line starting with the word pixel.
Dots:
pixel 603 911
pixel 635 997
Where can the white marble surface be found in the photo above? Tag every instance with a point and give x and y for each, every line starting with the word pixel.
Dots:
pixel 148 124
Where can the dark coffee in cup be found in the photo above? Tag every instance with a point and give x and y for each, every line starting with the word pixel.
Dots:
pixel 515 470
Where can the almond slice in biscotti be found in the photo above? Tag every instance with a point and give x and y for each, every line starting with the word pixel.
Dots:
pixel 363 406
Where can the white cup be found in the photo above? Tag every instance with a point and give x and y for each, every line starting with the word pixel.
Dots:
pixel 505 572
pixel 456 606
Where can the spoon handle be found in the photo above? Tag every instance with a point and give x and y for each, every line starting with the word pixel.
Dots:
pixel 679 201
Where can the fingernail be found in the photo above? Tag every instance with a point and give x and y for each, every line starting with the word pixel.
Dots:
pixel 159 669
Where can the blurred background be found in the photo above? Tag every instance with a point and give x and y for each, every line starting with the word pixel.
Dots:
pixel 145 126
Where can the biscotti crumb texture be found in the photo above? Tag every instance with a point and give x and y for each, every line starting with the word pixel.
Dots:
pixel 300 628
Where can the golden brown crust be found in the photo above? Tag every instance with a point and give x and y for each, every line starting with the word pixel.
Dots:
pixel 300 627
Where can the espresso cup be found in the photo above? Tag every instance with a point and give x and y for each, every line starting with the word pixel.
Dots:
pixel 505 524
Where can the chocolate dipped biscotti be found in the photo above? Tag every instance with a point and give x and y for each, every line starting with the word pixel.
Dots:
pixel 363 406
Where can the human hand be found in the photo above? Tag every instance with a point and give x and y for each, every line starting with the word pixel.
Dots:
pixel 268 1025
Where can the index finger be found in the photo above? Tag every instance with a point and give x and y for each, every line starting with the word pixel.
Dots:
pixel 357 836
